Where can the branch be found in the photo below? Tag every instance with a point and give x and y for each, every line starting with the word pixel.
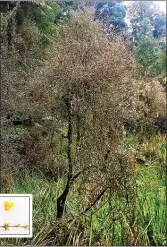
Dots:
pixel 76 175
pixel 92 204
pixel 96 200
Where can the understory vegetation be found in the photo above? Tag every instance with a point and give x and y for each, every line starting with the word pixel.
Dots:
pixel 83 115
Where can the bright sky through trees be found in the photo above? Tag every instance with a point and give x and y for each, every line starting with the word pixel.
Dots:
pixel 162 4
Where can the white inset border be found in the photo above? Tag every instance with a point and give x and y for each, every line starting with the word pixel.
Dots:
pixel 15 215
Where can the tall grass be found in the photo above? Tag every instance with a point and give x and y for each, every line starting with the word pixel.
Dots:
pixel 114 222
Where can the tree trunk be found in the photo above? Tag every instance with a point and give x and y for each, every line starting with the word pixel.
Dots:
pixel 62 198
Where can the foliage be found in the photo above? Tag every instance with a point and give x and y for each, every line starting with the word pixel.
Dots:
pixel 43 17
pixel 148 51
pixel 148 26
pixel 112 14
pixel 29 27
pixel 139 10
pixel 159 25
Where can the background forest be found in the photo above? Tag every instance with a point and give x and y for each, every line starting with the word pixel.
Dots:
pixel 83 117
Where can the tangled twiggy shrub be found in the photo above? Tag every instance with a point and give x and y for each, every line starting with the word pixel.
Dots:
pixel 151 105
pixel 90 93
pixel 154 96
pixel 87 91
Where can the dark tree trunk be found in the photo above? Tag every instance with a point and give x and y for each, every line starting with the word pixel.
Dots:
pixel 62 199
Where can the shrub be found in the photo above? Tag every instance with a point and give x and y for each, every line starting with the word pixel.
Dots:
pixel 88 94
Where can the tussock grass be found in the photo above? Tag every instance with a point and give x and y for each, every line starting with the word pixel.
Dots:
pixel 109 225
pixel 114 222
